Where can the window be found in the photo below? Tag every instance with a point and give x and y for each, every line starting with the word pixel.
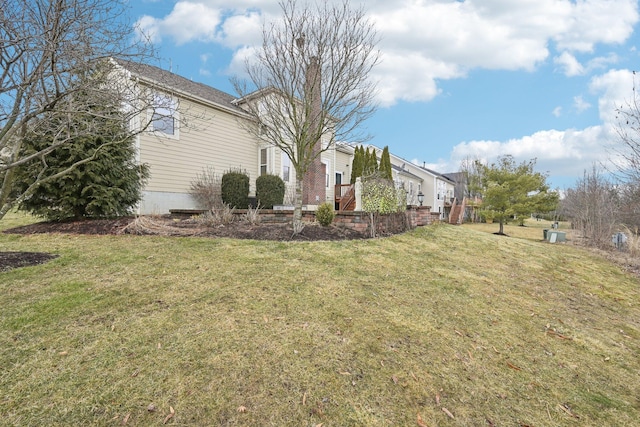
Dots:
pixel 286 167
pixel 327 166
pixel 164 123
pixel 263 161
pixel 164 116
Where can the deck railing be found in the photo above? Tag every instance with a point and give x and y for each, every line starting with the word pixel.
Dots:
pixel 345 195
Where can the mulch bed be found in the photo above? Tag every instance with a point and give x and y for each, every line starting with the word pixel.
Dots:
pixel 168 226
pixel 9 260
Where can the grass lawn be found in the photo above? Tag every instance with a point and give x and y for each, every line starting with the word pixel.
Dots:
pixel 442 326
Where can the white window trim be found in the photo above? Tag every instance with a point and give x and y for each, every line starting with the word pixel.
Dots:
pixel 175 114
pixel 285 161
pixel 266 163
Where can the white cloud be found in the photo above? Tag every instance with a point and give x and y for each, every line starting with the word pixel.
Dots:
pixel 569 64
pixel 566 152
pixel 571 67
pixel 187 22
pixel 242 30
pixel 430 40
pixel 615 90
pixel 204 71
pixel 147 29
pixel 237 65
pixel 557 111
pixel 580 105
pixel 598 21
pixel 601 62
pixel 410 74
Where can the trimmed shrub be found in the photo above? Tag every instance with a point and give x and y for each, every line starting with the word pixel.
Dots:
pixel 325 214
pixel 235 189
pixel 269 191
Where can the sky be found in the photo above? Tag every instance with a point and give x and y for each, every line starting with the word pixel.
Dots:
pixel 458 79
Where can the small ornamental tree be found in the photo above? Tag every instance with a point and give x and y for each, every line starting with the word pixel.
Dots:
pixel 380 197
pixel 269 191
pixel 509 189
pixel 235 189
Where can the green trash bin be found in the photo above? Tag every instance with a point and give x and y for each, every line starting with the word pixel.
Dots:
pixel 557 236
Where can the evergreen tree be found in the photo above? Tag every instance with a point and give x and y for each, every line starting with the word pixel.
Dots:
pixel 357 166
pixel 373 161
pixel 108 184
pixel 509 189
pixel 367 170
pixel 385 164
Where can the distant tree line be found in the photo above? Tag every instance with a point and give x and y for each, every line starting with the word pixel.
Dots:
pixel 604 202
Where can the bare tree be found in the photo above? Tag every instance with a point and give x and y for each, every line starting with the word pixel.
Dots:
pixel 629 211
pixel 309 85
pixel 627 150
pixel 469 185
pixel 593 207
pixel 50 52
pixel 628 130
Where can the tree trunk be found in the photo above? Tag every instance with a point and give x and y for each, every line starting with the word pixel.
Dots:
pixel 501 232
pixel 298 224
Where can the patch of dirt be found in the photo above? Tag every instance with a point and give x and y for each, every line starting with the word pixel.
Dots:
pixel 168 226
pixel 10 260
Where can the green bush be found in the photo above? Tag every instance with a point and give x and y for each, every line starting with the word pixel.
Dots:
pixel 235 189
pixel 108 186
pixel 325 214
pixel 269 191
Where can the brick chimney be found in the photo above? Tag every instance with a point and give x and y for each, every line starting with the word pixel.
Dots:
pixel 314 190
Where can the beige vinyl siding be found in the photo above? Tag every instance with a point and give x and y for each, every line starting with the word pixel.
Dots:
pixel 343 164
pixel 213 138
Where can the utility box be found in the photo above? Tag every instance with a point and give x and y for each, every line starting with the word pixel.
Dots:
pixel 554 236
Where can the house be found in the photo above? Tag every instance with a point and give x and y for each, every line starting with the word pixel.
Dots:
pixel 199 127
pixel 437 190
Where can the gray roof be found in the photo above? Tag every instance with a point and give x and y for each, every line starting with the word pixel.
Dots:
pixel 457 177
pixel 168 80
pixel 404 171
pixel 438 174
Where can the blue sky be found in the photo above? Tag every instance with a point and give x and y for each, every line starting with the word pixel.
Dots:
pixel 458 79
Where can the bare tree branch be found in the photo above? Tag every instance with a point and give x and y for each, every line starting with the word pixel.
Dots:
pixel 309 85
pixel 51 51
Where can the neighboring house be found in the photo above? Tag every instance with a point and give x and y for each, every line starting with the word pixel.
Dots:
pixel 199 127
pixel 460 178
pixel 436 188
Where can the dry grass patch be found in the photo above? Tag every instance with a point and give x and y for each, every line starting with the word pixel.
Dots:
pixel 457 326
